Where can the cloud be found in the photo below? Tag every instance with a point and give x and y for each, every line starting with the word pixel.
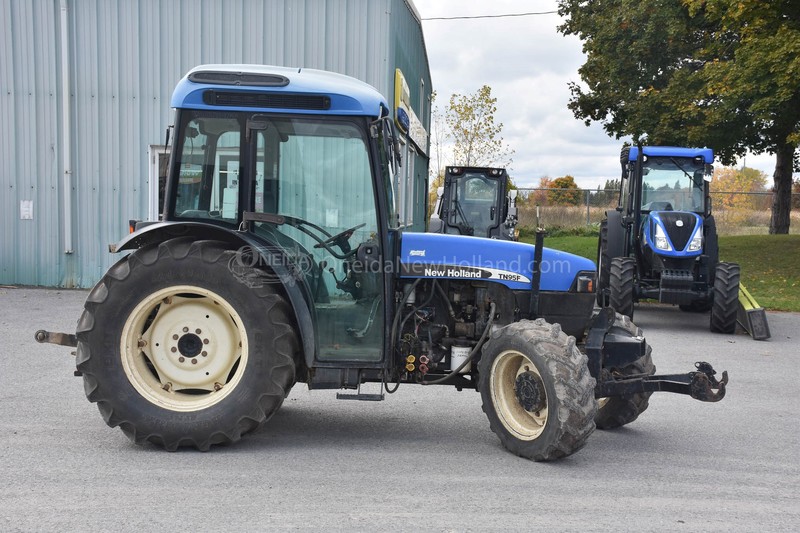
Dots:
pixel 528 65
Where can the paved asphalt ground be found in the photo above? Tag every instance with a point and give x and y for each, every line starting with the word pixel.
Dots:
pixel 423 459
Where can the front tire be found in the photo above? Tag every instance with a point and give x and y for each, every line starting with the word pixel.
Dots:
pixel 621 284
pixel 618 411
pixel 726 298
pixel 536 390
pixel 178 351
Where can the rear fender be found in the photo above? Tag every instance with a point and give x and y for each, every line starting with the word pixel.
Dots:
pixel 272 257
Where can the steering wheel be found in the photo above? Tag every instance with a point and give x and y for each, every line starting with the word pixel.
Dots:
pixel 340 239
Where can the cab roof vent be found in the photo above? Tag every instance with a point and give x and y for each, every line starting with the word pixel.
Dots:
pixel 268 100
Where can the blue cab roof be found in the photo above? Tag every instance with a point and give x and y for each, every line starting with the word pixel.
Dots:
pixel 672 151
pixel 348 96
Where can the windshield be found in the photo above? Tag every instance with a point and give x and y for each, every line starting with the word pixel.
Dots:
pixel 672 183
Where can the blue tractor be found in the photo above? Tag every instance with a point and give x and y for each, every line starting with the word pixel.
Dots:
pixel 660 243
pixel 279 260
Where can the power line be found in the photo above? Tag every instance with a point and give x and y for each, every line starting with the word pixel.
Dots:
pixel 492 16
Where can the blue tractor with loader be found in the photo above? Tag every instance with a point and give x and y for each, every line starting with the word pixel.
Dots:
pixel 279 260
pixel 660 243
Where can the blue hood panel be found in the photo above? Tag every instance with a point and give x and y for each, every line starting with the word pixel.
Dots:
pixel 435 255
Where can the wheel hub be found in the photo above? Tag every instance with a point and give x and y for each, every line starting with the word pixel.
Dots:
pixel 190 345
pixel 530 393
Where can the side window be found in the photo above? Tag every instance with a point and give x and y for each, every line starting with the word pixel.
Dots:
pixel 209 170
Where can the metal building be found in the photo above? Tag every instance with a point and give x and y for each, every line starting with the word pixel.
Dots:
pixel 85 87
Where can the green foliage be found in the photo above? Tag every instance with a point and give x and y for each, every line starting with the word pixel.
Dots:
pixel 694 73
pixel 476 136
pixel 569 195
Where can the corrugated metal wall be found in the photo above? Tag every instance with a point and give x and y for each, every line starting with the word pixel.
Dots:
pixel 125 57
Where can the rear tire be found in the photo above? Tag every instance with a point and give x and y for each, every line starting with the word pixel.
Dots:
pixel 618 411
pixel 536 390
pixel 621 283
pixel 177 351
pixel 726 298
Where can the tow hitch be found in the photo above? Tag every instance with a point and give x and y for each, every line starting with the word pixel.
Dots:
pixel 701 385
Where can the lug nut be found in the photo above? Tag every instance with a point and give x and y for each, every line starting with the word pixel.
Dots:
pixel 205 341
pixel 175 337
pixel 185 330
pixel 181 359
pixel 204 354
pixel 194 361
pixel 198 331
pixel 173 349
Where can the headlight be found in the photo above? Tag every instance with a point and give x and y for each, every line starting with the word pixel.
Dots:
pixel 697 242
pixel 661 240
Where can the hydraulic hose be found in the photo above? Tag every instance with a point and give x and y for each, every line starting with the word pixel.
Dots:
pixel 393 333
pixel 472 353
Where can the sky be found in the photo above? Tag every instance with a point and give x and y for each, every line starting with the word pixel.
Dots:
pixel 528 65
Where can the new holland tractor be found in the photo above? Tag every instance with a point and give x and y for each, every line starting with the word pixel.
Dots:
pixel 279 261
pixel 476 201
pixel 660 242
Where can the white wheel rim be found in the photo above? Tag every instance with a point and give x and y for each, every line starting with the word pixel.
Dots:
pixel 184 348
pixel 522 424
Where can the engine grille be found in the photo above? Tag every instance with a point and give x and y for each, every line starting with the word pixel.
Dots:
pixel 678 234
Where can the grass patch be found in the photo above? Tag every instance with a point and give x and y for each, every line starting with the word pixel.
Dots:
pixel 769 267
pixel 769 263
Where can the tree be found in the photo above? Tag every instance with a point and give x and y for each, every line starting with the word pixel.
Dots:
pixel 607 195
pixel 694 72
pixel 569 193
pixel 476 136
pixel 728 180
pixel 539 196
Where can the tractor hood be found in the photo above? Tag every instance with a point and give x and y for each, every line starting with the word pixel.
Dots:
pixel 674 233
pixel 435 255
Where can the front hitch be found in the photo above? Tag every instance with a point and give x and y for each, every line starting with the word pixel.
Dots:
pixel 701 385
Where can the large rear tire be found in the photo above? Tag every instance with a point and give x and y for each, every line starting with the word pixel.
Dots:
pixel 177 351
pixel 726 298
pixel 621 283
pixel 618 411
pixel 536 390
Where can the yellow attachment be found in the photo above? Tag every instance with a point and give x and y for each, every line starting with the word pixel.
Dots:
pixel 410 367
pixel 410 359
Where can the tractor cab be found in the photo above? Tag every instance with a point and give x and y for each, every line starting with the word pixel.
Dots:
pixel 476 201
